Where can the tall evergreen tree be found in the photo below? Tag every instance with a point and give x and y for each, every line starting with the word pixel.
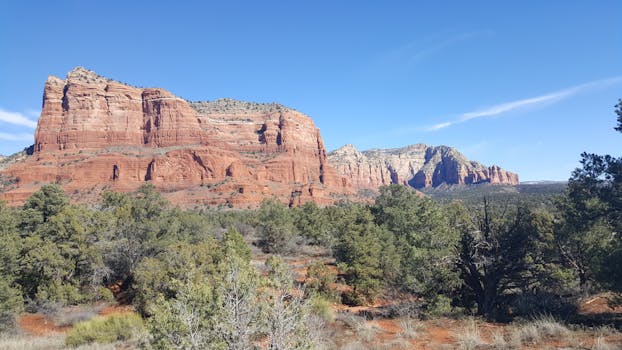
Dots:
pixel 424 240
pixel 276 227
pixel 496 260
pixel 589 237
pixel 366 252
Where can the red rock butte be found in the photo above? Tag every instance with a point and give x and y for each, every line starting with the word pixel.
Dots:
pixel 96 134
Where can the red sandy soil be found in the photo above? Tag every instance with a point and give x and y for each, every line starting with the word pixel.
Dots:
pixel 117 310
pixel 431 335
pixel 42 325
pixel 39 325
pixel 356 310
pixel 598 305
pixel 437 335
pixel 441 333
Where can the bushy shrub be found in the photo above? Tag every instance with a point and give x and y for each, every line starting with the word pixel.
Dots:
pixel 58 292
pixel 321 307
pixel 319 280
pixel 439 306
pixel 354 298
pixel 10 303
pixel 533 305
pixel 275 225
pixel 103 294
pixel 104 330
pixel 314 225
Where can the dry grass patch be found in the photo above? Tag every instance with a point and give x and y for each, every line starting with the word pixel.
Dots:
pixel 601 343
pixel 53 342
pixel 394 344
pixel 356 345
pixel 499 342
pixel 19 342
pixel 535 331
pixel 411 328
pixel 469 337
pixel 550 327
pixel 366 331
pixel 72 315
pixel 363 329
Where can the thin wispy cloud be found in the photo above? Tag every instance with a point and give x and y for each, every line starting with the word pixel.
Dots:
pixel 15 137
pixel 412 53
pixel 16 118
pixel 553 97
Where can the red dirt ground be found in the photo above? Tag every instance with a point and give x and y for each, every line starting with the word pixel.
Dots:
pixel 42 325
pixel 598 305
pixel 39 325
pixel 117 310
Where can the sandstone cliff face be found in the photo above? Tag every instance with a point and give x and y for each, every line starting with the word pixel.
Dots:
pixel 95 134
pixel 87 112
pixel 417 165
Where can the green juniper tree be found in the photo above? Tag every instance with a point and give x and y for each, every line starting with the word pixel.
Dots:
pixel 424 240
pixel 11 300
pixel 276 227
pixel 366 253
pixel 313 224
pixel 589 237
pixel 501 256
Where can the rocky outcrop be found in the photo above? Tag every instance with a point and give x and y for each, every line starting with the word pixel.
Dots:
pixel 97 134
pixel 358 169
pixel 88 112
pixel 419 166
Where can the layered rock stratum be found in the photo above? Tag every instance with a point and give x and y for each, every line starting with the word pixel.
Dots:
pixel 96 134
pixel 418 166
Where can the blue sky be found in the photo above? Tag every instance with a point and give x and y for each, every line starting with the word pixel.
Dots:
pixel 527 85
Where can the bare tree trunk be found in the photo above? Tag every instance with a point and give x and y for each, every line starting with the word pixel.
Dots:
pixel 239 311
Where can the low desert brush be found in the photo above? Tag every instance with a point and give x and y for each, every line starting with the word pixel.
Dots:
pixel 108 329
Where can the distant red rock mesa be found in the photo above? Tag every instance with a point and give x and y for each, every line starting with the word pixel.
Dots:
pixel 418 166
pixel 96 134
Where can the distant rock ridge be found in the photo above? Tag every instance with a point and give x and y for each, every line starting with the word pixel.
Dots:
pixel 97 134
pixel 418 166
